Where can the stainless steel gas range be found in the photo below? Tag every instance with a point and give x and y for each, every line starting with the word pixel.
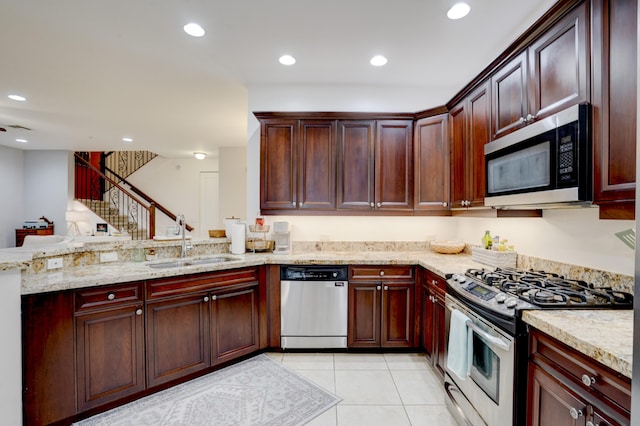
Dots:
pixel 487 343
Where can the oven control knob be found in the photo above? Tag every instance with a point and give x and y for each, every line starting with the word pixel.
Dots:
pixel 501 297
pixel 511 302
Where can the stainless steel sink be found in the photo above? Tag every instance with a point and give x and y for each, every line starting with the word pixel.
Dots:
pixel 191 262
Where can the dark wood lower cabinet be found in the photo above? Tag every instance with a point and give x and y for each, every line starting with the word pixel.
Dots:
pixel 234 322
pixel 433 310
pixel 177 337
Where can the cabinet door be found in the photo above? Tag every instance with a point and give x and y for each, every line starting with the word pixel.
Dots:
pixel 558 68
pixel 317 165
pixel 457 136
pixel 355 165
pixel 427 320
pixel 509 93
pixel 394 165
pixel 364 315
pixel 278 176
pixel 178 340
pixel 614 107
pixel 431 153
pixel 550 403
pixel 397 315
pixel 109 355
pixel 234 322
pixel 479 132
pixel 438 333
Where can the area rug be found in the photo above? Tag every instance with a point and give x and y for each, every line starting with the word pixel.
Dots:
pixel 258 391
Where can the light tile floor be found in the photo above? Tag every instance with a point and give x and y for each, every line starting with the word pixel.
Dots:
pixel 376 389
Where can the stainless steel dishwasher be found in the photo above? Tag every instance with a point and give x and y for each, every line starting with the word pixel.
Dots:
pixel 313 311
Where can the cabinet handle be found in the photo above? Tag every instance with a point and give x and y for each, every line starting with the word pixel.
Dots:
pixel 575 414
pixel 386 287
pixel 294 204
pixel 111 296
pixel 379 204
pixel 372 205
pixel 378 288
pixel 444 204
pixel 206 298
pixel 530 118
pixel 214 297
pixel 139 311
pixel 382 273
pixel 522 120
pixel 587 380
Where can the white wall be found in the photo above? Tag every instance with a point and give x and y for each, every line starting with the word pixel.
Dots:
pixel 233 182
pixel 11 194
pixel 573 236
pixel 11 358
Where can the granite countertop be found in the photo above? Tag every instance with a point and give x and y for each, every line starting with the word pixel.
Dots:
pixel 604 335
pixel 119 272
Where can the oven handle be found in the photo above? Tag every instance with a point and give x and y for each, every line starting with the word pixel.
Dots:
pixel 495 341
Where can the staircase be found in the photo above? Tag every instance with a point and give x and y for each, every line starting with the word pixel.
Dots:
pixel 113 217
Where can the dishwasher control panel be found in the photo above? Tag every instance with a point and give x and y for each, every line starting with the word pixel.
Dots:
pixel 314 273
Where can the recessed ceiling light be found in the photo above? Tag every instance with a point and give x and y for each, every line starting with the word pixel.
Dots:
pixel 21 140
pixel 378 61
pixel 127 139
pixel 194 30
pixel 458 10
pixel 287 60
pixel 200 155
pixel 17 98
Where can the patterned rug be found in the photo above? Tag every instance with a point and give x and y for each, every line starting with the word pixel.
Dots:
pixel 258 391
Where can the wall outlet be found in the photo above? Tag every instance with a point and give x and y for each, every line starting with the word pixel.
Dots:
pixel 110 256
pixel 54 263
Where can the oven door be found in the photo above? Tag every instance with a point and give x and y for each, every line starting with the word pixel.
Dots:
pixel 485 397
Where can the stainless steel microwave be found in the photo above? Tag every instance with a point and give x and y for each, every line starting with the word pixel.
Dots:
pixel 546 164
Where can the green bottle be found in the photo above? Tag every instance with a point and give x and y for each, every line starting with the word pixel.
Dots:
pixel 486 240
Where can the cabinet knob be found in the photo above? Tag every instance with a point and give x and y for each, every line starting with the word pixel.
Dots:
pixel 382 273
pixel 522 120
pixel 138 311
pixel 214 297
pixel 372 205
pixel 379 204
pixel 111 296
pixel 445 204
pixel 206 298
pixel 530 118
pixel 590 423
pixel 378 288
pixel 588 380
pixel 386 287
pixel 294 204
pixel 575 414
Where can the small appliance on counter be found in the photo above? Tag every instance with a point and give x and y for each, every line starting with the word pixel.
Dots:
pixel 282 238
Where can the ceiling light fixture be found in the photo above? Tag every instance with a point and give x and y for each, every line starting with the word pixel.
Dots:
pixel 194 30
pixel 287 60
pixel 17 98
pixel 200 155
pixel 127 139
pixel 21 140
pixel 458 10
pixel 378 61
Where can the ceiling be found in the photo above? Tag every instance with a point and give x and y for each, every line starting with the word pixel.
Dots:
pixel 95 71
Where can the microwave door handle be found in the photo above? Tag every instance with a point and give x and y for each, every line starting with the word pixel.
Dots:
pixel 495 341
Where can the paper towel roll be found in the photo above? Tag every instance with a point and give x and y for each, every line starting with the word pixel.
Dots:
pixel 237 238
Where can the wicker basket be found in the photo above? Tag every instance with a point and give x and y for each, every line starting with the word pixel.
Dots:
pixel 447 247
pixel 217 233
pixel 497 259
pixel 258 244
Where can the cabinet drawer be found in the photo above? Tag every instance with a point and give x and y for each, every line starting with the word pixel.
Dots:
pixel 376 273
pixel 608 384
pixel 174 286
pixel 102 297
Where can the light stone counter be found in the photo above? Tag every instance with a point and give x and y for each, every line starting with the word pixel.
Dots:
pixel 119 272
pixel 604 335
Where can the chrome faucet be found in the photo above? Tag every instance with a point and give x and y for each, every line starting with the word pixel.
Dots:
pixel 180 227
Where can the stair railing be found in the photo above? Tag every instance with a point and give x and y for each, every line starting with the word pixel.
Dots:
pixel 139 214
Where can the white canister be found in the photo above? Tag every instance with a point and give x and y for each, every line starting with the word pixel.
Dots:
pixel 227 225
pixel 237 238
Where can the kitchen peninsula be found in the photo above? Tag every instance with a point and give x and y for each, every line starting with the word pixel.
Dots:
pixel 250 281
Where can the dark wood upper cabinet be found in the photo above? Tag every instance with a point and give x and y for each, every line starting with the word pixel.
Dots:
pixel 394 165
pixel 469 124
pixel 431 159
pixel 549 76
pixel 317 165
pixel 614 76
pixel 278 174
pixel 355 164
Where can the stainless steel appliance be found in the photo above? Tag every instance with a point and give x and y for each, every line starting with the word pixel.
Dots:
pixel 494 391
pixel 282 237
pixel 545 164
pixel 313 307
